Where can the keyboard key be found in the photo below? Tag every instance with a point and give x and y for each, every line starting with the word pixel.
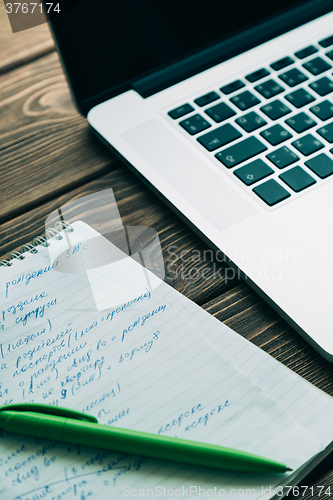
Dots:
pixel 293 77
pixel 297 179
pixel 282 157
pixel 232 87
pixel 181 111
pixel 330 54
pixel 219 137
pixel 282 63
pixel 275 135
pixel 323 86
pixel 240 152
pixel 326 132
pixel 323 110
pixel 307 145
pixel 194 124
pixel 253 172
pixel 321 165
pixel 257 75
pixel 301 54
pixel 326 42
pixel 316 66
pixel 269 89
pixel 271 192
pixel 245 100
pixel 251 121
pixel 299 98
pixel 275 110
pixel 220 112
pixel 300 123
pixel 206 99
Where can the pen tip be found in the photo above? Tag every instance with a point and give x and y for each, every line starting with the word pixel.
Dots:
pixel 288 469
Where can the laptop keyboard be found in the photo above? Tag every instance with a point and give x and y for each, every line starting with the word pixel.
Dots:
pixel 280 92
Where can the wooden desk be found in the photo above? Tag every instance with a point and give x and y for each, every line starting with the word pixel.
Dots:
pixel 49 157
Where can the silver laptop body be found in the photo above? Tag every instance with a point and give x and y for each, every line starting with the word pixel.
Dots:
pixel 248 167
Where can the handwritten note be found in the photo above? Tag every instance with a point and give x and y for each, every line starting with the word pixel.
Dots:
pixel 146 359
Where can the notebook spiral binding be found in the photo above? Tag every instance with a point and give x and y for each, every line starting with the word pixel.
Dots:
pixel 39 240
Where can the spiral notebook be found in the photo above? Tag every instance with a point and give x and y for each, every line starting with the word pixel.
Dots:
pixel 87 327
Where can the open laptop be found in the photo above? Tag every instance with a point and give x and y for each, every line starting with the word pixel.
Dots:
pixel 225 109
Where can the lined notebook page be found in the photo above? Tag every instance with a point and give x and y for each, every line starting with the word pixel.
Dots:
pixel 148 359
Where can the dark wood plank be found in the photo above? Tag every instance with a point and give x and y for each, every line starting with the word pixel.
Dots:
pixel 246 313
pixel 48 153
pixel 46 146
pixel 318 477
pixel 190 267
pixel 316 489
pixel 24 46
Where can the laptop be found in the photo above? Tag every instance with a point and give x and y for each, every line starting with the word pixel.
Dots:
pixel 225 110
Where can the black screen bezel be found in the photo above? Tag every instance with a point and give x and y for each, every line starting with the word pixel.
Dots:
pixel 187 66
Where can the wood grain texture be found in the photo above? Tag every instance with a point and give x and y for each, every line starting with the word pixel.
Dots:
pixel 319 492
pixel 318 477
pixel 317 489
pixel 191 268
pixel 24 46
pixel 48 157
pixel 188 268
pixel 46 147
pixel 245 312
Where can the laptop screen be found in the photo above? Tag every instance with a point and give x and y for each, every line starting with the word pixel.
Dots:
pixel 106 44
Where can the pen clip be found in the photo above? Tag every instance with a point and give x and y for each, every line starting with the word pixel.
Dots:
pixel 50 410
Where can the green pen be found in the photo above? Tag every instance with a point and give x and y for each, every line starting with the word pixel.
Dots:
pixel 62 424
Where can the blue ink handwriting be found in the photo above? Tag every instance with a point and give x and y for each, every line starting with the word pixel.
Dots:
pixel 130 328
pixel 144 347
pixel 111 394
pixel 177 422
pixel 117 417
pixel 145 317
pixel 204 419
pixel 20 306
pixel 36 313
pixel 26 278
pixel 119 309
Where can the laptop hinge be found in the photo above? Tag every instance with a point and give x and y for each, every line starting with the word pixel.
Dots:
pixel 230 47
